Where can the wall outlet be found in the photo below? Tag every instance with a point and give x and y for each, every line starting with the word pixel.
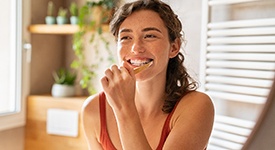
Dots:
pixel 62 122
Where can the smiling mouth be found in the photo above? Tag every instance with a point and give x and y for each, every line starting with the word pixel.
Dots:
pixel 139 63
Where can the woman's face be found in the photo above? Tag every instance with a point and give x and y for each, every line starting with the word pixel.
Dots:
pixel 142 38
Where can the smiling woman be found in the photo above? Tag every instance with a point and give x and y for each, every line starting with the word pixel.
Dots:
pixel 157 108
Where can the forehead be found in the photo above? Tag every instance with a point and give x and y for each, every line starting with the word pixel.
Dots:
pixel 142 19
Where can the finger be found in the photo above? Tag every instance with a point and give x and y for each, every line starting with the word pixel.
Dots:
pixel 104 82
pixel 115 69
pixel 124 70
pixel 109 74
pixel 129 68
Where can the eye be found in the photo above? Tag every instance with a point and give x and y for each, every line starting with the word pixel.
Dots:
pixel 125 38
pixel 150 36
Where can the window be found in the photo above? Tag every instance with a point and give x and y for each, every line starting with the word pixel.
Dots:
pixel 11 65
pixel 238 67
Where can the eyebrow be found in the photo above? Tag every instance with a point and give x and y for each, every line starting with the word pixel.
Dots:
pixel 143 30
pixel 151 29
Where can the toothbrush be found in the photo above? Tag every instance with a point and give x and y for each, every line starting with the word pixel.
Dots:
pixel 141 68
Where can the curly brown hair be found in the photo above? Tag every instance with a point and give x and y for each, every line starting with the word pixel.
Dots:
pixel 178 81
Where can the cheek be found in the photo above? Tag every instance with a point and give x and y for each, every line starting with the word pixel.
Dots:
pixel 165 56
pixel 163 51
pixel 120 52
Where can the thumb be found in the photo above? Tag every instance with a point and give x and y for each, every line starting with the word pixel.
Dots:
pixel 128 67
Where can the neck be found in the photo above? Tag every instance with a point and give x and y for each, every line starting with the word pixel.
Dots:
pixel 150 97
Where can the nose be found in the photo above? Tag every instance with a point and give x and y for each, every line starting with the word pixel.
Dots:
pixel 138 46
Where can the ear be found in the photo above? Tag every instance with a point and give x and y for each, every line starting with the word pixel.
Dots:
pixel 175 48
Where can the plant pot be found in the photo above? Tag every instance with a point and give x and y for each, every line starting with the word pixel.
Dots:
pixel 61 20
pixel 61 90
pixel 100 15
pixel 50 20
pixel 74 20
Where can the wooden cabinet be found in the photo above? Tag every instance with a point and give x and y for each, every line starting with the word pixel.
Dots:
pixel 36 137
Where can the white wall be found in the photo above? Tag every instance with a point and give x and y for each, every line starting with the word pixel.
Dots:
pixel 189 12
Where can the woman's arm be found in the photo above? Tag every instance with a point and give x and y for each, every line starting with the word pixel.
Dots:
pixel 90 120
pixel 119 87
pixel 191 123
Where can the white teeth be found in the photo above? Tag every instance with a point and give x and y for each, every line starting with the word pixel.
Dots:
pixel 139 62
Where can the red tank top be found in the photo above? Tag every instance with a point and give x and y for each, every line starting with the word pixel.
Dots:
pixel 105 140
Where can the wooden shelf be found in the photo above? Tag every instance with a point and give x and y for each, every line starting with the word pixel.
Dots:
pixel 53 29
pixel 48 97
pixel 58 29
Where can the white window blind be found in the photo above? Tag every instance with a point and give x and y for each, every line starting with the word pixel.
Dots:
pixel 238 65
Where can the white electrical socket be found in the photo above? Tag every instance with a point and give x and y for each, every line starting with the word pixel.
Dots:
pixel 62 122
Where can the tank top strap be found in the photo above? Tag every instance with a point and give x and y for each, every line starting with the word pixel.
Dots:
pixel 102 110
pixel 105 140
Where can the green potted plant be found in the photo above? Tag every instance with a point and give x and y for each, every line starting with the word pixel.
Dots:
pixel 62 16
pixel 64 83
pixel 50 19
pixel 74 13
pixel 101 11
pixel 86 24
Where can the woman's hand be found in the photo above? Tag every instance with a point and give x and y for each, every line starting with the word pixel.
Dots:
pixel 119 86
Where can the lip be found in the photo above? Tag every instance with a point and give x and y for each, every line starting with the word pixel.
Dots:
pixel 138 61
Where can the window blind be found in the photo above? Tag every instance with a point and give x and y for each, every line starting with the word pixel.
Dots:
pixel 237 70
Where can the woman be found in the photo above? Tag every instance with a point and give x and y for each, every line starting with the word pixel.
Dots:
pixel 157 108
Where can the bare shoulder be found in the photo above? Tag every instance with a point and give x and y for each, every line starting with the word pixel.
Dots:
pixel 90 116
pixel 192 122
pixel 196 99
pixel 91 106
pixel 196 104
pixel 91 121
